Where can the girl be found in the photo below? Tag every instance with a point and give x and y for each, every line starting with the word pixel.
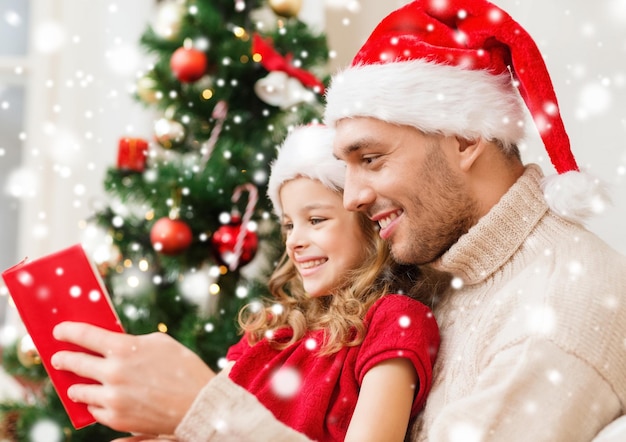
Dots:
pixel 332 354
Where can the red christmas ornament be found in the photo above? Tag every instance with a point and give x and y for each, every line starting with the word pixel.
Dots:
pixel 188 64
pixel 170 236
pixel 226 248
pixel 132 154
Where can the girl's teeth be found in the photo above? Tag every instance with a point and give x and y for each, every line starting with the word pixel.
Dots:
pixel 310 264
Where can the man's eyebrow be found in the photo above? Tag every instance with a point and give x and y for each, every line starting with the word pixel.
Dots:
pixel 355 146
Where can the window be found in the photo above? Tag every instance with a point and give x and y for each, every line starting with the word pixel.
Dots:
pixel 14 25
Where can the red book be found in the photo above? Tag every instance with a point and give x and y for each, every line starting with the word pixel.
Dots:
pixel 62 286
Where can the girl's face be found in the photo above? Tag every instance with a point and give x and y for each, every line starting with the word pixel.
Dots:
pixel 323 239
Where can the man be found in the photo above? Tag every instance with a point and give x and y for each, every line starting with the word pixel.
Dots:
pixel 533 326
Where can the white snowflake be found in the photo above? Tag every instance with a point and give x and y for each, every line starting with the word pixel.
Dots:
pixel 286 382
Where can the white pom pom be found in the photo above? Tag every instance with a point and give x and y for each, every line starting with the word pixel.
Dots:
pixel 575 196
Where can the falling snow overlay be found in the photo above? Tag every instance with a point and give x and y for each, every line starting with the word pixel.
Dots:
pixel 144 113
pixel 65 105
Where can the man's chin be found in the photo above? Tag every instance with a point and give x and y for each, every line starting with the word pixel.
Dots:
pixel 400 256
pixel 404 255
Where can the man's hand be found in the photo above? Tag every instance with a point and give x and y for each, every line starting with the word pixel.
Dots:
pixel 147 382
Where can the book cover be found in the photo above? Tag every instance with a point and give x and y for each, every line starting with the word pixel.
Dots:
pixel 62 286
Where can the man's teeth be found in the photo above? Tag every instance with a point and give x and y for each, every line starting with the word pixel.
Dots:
pixel 386 221
pixel 313 263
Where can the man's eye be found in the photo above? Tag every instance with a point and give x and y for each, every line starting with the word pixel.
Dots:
pixel 370 159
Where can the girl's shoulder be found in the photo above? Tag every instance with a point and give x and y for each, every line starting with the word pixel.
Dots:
pixel 399 326
pixel 394 303
pixel 395 313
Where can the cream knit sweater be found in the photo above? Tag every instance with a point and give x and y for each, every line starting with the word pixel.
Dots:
pixel 533 338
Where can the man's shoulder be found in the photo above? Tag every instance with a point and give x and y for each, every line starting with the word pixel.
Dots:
pixel 574 246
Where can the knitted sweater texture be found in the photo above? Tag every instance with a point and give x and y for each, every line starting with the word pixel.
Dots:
pixel 533 341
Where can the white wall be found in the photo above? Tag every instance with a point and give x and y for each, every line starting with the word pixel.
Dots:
pixel 78 106
pixel 584 46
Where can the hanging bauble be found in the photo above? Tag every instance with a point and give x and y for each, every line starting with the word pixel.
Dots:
pixel 168 131
pixel 27 354
pixel 147 90
pixel 188 64
pixel 224 242
pixel 170 236
pixel 286 8
pixel 132 154
pixel 235 244
pixel 281 90
pixel 168 19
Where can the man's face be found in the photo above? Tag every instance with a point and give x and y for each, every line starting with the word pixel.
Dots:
pixel 407 182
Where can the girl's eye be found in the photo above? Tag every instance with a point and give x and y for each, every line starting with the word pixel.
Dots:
pixel 316 221
pixel 287 227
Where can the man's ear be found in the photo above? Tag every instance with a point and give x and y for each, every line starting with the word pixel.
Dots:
pixel 469 152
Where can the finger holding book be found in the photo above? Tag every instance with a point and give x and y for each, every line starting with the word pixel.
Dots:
pixel 146 383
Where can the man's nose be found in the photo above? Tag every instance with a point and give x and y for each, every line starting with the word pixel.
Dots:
pixel 357 194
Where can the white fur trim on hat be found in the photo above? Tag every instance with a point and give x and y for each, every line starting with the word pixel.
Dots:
pixel 431 97
pixel 307 151
pixel 575 196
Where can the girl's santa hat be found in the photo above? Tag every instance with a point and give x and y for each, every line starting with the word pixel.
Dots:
pixel 307 151
pixel 458 67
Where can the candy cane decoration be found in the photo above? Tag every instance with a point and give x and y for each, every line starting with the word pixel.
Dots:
pixel 219 114
pixel 253 197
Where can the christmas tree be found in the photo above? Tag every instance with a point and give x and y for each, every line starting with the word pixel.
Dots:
pixel 187 236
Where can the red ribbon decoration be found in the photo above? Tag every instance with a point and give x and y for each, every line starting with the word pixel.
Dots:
pixel 273 61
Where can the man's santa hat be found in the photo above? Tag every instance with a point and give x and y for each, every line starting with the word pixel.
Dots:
pixel 458 67
pixel 307 151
